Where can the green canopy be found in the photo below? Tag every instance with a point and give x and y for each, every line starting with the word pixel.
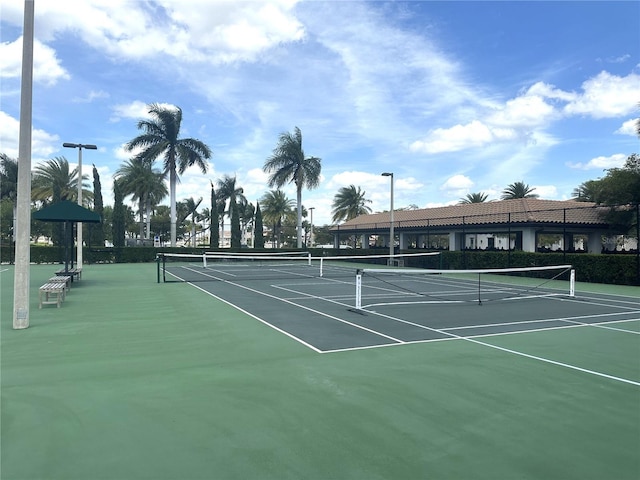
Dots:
pixel 69 213
pixel 66 211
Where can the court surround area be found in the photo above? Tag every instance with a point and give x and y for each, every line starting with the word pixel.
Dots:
pixel 281 376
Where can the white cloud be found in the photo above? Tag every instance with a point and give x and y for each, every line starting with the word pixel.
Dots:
pixel 43 144
pixel 136 110
pixel 526 112
pixel 629 127
pixel 606 96
pixel 457 185
pixel 91 96
pixel 545 191
pixel 526 117
pixel 189 30
pixel 600 163
pixel 458 137
pixel 46 66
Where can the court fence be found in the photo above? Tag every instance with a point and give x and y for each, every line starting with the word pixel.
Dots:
pixel 616 269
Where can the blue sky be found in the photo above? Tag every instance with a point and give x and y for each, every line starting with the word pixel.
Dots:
pixel 452 97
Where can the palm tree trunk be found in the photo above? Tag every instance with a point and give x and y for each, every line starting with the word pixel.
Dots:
pixel 148 219
pixel 172 190
pixel 299 225
pixel 141 209
pixel 193 230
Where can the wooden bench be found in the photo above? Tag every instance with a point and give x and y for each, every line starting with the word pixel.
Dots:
pixel 73 272
pixel 57 289
pixel 62 279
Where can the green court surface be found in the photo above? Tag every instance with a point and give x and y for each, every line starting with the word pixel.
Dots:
pixel 133 379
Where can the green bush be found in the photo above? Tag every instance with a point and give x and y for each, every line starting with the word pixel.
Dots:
pixel 616 269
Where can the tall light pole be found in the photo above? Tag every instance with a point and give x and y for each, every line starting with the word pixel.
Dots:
pixel 391 235
pixel 22 232
pixel 79 146
pixel 311 231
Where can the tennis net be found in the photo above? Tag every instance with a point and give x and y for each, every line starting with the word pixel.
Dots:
pixel 394 286
pixel 221 266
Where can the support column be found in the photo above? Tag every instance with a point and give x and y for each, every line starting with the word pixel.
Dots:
pixel 455 241
pixel 402 237
pixel 594 242
pixel 528 240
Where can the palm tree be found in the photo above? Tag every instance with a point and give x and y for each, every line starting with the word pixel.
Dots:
pixel 160 139
pixel 275 207
pixel 288 164
pixel 9 183
pixel 246 213
pixel 349 203
pixel 214 223
pixel 228 190
pixel 588 191
pixel 191 209
pixel 477 197
pixel 55 175
pixel 518 190
pixel 8 178
pixel 146 185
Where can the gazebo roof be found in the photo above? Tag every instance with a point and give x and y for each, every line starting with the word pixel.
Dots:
pixel 66 211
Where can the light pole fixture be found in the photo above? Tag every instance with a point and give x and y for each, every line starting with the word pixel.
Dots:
pixel 311 230
pixel 79 146
pixel 391 235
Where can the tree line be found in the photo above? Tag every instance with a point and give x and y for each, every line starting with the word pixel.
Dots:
pixel 285 219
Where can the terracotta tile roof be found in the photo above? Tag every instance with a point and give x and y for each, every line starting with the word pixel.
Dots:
pixel 521 210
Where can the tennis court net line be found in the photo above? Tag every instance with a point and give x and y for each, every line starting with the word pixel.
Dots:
pixel 212 266
pixel 393 286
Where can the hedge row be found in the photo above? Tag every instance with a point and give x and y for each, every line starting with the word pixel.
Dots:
pixel 594 268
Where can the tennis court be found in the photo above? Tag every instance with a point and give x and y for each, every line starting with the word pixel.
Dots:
pixel 274 373
pixel 344 305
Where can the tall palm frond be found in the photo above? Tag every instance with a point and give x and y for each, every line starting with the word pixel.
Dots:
pixel 161 140
pixel 518 190
pixel 288 164
pixel 477 197
pixel 349 202
pixel 53 175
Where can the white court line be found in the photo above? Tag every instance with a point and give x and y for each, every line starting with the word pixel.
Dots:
pixel 478 342
pixel 558 319
pixel 299 306
pixel 442 332
pixel 526 355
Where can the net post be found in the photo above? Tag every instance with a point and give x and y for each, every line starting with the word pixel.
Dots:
pixel 309 258
pixel 164 268
pixel 204 260
pixel 321 266
pixel 572 283
pixel 358 289
pixel 158 268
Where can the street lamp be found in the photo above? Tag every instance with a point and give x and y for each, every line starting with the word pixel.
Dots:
pixel 79 146
pixel 311 230
pixel 391 239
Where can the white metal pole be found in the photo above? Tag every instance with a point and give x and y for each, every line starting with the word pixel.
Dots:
pixel 79 146
pixel 572 283
pixel 311 232
pixel 79 224
pixel 22 234
pixel 391 234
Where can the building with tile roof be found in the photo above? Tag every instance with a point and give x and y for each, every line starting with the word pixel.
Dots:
pixel 521 224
